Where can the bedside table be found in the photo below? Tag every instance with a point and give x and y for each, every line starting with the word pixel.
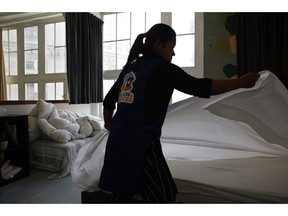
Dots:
pixel 14 159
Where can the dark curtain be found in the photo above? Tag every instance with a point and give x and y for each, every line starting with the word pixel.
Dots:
pixel 84 58
pixel 262 43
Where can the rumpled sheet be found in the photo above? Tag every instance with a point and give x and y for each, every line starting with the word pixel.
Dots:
pixel 243 123
pixel 240 124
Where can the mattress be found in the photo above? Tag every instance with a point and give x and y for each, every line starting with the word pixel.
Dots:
pixel 250 180
pixel 233 146
pixel 53 156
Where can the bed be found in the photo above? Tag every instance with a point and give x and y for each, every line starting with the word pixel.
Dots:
pixel 56 136
pixel 232 147
pixel 53 156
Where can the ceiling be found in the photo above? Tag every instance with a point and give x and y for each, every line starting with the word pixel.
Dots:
pixel 10 18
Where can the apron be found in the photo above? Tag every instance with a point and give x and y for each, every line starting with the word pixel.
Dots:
pixel 130 133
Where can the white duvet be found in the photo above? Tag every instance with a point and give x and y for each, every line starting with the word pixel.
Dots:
pixel 244 123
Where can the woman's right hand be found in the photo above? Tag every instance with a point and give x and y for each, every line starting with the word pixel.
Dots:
pixel 249 80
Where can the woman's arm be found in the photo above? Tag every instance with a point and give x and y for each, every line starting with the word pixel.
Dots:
pixel 108 114
pixel 222 86
pixel 109 105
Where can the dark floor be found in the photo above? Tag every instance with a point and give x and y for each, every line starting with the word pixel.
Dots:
pixel 36 188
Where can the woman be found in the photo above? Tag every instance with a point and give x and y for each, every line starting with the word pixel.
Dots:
pixel 134 162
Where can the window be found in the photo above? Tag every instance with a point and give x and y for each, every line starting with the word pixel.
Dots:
pixel 185 38
pixel 54 91
pixel 35 53
pixel 55 50
pixel 31 91
pixel 42 46
pixel 12 91
pixel 9 38
pixel 121 29
pixel 31 50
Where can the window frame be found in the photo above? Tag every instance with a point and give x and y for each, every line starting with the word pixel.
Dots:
pixel 41 78
pixel 198 69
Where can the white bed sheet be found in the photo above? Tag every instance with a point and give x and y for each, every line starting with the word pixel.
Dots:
pixel 55 157
pixel 220 142
pixel 249 180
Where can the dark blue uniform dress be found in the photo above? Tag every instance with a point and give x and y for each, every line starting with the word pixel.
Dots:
pixel 134 162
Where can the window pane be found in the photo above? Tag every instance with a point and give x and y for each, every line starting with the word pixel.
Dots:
pixel 49 48
pixel 183 23
pixel 13 40
pixel 31 91
pixel 123 26
pixel 9 42
pixel 31 62
pixel 107 84
pixel 60 60
pixel 54 91
pixel 123 48
pixel 184 57
pixel 6 62
pixel 50 91
pixel 60 34
pixel 152 18
pixel 13 64
pixel 55 56
pixel 137 18
pixel 49 60
pixel 109 56
pixel 49 36
pixel 12 92
pixel 59 91
pixel 31 38
pixel 109 30
pixel 5 40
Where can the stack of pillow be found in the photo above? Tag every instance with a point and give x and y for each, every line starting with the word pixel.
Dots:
pixel 60 125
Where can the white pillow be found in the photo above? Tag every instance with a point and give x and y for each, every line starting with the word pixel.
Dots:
pixel 45 109
pixel 96 122
pixel 80 136
pixel 34 132
pixel 63 114
pixel 45 127
pixel 67 115
pixel 60 123
pixel 61 136
pixel 50 132
pixel 78 115
pixel 34 112
pixel 53 114
pixel 71 114
pixel 85 127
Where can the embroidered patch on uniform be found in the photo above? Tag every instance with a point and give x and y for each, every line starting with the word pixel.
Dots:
pixel 126 96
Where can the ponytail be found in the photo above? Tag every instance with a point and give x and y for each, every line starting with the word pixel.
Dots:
pixel 136 49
